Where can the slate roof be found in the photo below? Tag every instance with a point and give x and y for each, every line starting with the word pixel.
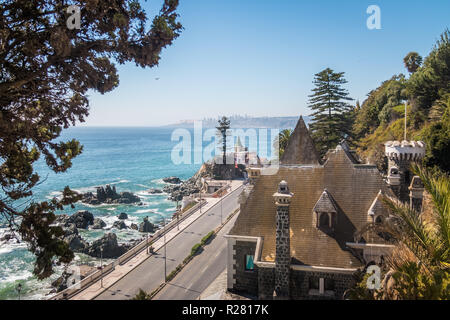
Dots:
pixel 325 203
pixel 300 148
pixel 353 188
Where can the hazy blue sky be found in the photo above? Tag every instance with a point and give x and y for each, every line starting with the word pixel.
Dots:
pixel 258 57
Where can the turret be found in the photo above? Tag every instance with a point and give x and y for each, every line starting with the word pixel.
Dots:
pixel 283 248
pixel 400 156
pixel 416 194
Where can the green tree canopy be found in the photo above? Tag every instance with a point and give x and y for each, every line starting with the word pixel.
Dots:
pixel 46 70
pixel 332 115
pixel 412 61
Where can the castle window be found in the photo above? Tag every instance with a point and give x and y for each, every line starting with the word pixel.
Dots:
pixel 314 283
pixel 249 266
pixel 325 212
pixel 379 219
pixel 324 220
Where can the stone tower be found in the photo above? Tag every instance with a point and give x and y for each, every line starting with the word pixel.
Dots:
pixel 400 156
pixel 283 248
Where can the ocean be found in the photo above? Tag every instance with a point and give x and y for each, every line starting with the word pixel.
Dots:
pixel 131 159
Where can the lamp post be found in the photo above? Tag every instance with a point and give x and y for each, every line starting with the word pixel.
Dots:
pixel 19 289
pixel 201 189
pixel 165 252
pixel 221 198
pixel 101 267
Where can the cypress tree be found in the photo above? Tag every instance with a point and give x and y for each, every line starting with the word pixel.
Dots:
pixel 332 115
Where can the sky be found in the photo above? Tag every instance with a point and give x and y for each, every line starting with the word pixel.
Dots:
pixel 259 57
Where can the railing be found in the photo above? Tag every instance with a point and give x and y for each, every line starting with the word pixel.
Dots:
pixel 86 282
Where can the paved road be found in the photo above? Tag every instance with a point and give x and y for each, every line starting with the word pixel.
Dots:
pixel 150 274
pixel 201 271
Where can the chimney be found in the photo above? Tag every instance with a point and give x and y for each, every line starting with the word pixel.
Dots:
pixel 283 249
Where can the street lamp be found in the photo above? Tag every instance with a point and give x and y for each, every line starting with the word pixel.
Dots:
pixel 165 252
pixel 101 267
pixel 19 289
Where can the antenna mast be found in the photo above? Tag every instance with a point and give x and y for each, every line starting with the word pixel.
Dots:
pixel 406 103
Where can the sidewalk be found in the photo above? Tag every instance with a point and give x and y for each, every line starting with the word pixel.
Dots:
pixel 121 270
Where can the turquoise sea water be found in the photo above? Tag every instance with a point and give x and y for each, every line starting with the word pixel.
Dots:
pixel 132 159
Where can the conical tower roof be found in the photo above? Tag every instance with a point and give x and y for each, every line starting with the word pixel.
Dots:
pixel 300 148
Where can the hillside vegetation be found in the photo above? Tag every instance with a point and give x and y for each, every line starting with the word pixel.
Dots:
pixel 381 116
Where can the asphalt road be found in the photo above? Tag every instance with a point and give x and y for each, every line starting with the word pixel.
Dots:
pixel 201 271
pixel 150 274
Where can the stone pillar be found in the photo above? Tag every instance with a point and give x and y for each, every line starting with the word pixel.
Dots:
pixel 283 249
pixel 416 194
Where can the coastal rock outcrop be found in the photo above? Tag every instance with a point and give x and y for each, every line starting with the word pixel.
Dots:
pixel 98 224
pixel 82 219
pixel 119 225
pixel 173 180
pixel 110 246
pixel 146 226
pixel 154 191
pixel 134 226
pixel 122 216
pixel 109 195
pixel 76 243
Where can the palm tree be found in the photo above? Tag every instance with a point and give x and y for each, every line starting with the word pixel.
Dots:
pixel 412 61
pixel 222 129
pixel 420 264
pixel 282 141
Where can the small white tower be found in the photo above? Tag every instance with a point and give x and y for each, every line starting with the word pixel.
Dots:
pixel 400 156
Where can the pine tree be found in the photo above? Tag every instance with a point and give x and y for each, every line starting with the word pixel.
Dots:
pixel 332 116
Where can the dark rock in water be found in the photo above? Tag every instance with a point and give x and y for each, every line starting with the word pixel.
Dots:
pixel 173 180
pixel 154 191
pixel 146 226
pixel 81 219
pixel 109 195
pixel 98 224
pixel 134 226
pixel 63 220
pixel 70 230
pixel 7 237
pixel 123 216
pixel 76 243
pixel 119 225
pixel 111 249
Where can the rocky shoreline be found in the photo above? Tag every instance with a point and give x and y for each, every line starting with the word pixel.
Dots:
pixel 109 195
pixel 108 243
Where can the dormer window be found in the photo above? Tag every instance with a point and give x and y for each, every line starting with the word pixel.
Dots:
pixel 325 212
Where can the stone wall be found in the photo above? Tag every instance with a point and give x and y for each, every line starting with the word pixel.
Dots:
pixel 300 284
pixel 245 281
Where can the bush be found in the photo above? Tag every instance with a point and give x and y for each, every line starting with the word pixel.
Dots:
pixel 206 238
pixel 195 249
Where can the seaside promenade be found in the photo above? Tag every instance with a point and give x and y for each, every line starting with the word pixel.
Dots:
pixel 146 271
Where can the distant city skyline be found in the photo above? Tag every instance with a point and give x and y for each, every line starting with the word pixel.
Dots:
pixel 259 58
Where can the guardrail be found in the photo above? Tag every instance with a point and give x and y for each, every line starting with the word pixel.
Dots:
pixel 86 282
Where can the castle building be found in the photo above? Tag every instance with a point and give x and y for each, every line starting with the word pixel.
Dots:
pixel 304 231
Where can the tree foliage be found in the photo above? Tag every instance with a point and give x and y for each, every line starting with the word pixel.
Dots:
pixel 332 115
pixel 378 107
pixel 281 141
pixel 420 264
pixel 222 130
pixel 46 71
pixel 412 61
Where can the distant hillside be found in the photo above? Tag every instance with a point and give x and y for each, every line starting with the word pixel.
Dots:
pixel 248 122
